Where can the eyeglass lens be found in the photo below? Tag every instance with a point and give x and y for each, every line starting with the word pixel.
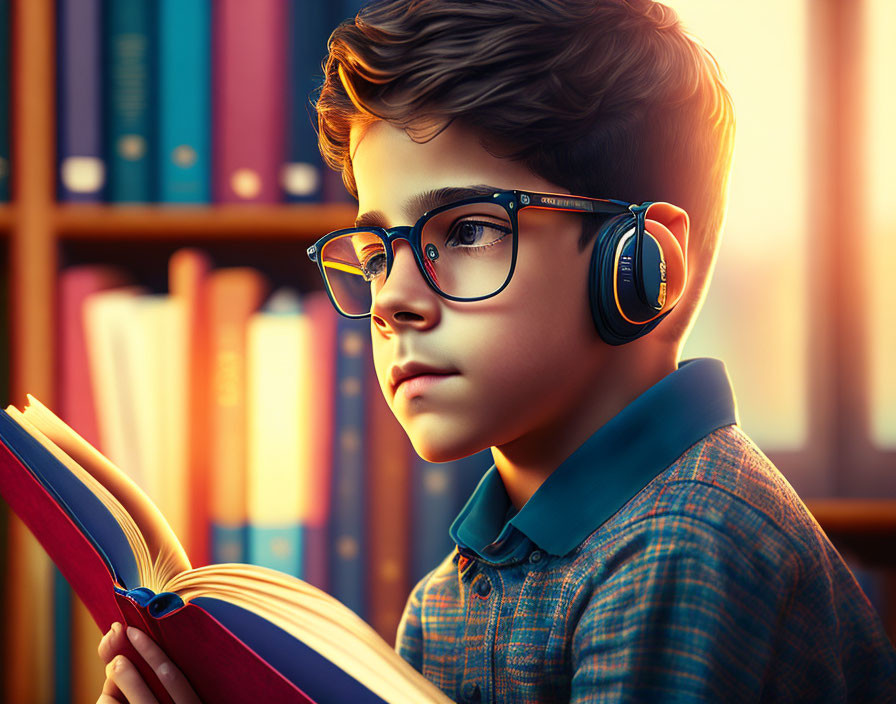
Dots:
pixel 467 252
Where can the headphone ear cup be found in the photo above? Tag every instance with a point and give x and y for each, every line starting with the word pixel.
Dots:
pixel 620 313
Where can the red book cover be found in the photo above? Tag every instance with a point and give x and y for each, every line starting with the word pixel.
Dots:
pixel 76 405
pixel 249 64
pixel 237 632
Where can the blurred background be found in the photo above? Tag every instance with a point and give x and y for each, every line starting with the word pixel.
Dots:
pixel 159 183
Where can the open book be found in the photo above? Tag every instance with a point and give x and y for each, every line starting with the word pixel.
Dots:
pixel 238 632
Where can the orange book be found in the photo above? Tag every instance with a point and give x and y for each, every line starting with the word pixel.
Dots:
pixel 234 294
pixel 188 270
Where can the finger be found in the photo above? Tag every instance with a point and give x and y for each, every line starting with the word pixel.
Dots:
pixel 112 643
pixel 129 681
pixel 111 694
pixel 169 675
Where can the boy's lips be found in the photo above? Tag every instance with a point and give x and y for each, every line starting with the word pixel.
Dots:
pixel 412 368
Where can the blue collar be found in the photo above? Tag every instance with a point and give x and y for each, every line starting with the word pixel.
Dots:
pixel 607 470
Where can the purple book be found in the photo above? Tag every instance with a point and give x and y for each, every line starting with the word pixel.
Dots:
pixel 81 174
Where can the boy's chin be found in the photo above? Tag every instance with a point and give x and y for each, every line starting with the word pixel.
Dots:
pixel 443 445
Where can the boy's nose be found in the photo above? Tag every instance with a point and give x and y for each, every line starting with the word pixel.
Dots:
pixel 404 295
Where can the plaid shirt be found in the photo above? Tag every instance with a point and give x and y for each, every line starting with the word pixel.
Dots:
pixel 667 559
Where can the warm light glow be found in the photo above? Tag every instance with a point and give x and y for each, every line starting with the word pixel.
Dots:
pixel 755 314
pixel 880 256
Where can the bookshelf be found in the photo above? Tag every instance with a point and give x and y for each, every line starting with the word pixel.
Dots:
pixel 35 228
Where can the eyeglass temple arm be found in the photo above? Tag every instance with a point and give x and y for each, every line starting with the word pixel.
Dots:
pixel 555 201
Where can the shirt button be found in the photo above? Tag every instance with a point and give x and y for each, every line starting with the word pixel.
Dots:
pixel 483 587
pixel 471 692
pixel 536 556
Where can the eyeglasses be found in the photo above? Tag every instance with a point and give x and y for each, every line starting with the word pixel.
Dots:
pixel 465 250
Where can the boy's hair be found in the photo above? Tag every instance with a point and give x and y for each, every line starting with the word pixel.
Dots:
pixel 606 98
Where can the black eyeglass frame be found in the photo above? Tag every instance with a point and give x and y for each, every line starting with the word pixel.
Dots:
pixel 512 201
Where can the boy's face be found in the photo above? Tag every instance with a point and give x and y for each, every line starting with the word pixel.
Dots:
pixel 523 361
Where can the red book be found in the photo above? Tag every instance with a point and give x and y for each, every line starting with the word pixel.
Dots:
pixel 249 40
pixel 239 633
pixel 322 371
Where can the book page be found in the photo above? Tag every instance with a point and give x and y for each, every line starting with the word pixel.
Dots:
pixel 163 555
pixel 318 620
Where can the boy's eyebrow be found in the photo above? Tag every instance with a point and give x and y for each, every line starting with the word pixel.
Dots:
pixel 422 202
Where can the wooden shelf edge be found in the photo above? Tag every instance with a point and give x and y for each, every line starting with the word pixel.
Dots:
pixel 7 218
pixel 854 515
pixel 299 221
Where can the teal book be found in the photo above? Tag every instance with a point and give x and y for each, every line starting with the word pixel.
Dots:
pixel 129 43
pixel 5 106
pixel 183 89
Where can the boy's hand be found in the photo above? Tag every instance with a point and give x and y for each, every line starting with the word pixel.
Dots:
pixel 123 681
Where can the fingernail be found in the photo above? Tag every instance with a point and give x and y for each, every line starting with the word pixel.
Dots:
pixel 116 627
pixel 133 634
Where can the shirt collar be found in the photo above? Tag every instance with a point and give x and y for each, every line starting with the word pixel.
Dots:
pixel 607 470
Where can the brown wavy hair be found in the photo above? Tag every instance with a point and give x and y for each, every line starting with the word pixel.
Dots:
pixel 605 98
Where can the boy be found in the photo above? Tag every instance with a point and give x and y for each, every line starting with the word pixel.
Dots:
pixel 565 167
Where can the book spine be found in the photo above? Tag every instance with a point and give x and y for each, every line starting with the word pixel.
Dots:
pixel 184 36
pixel 279 440
pixel 440 491
pixel 302 176
pixel 348 515
pixel 249 43
pixel 188 270
pixel 5 80
pixel 62 634
pixel 82 171
pixel 388 471
pixel 323 323
pixel 129 50
pixel 234 294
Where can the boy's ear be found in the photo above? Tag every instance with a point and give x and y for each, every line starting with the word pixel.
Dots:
pixel 670 225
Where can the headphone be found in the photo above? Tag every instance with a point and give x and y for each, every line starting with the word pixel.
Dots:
pixel 627 283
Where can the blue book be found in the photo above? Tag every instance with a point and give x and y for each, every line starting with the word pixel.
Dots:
pixel 129 44
pixel 309 27
pixel 438 493
pixel 81 175
pixel 348 516
pixel 237 632
pixel 5 105
pixel 184 101
pixel 62 639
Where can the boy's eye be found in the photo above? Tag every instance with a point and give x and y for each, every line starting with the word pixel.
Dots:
pixel 373 263
pixel 475 233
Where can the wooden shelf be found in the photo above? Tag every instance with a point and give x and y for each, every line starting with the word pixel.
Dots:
pixel 300 221
pixel 7 219
pixel 857 516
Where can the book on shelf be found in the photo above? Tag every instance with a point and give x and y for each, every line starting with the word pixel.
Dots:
pixel 249 58
pixel 79 96
pixel 348 486
pixel 184 101
pixel 238 632
pixel 130 99
pixel 279 442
